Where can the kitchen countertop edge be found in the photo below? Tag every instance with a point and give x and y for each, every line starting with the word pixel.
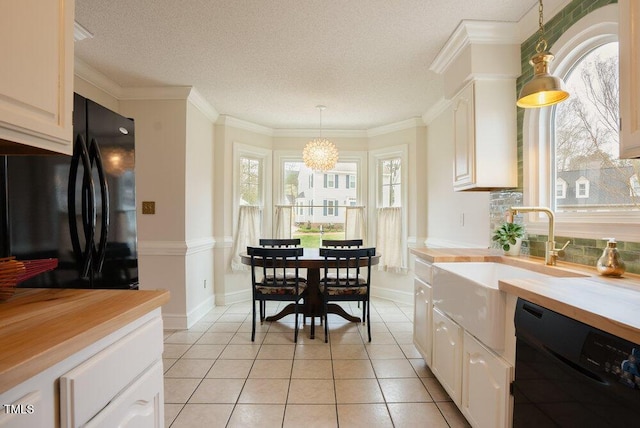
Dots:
pixel 41 327
pixel 576 291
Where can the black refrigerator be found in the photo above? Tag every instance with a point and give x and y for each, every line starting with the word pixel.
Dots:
pixel 80 209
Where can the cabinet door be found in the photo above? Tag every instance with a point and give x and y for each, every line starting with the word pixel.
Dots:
pixel 447 354
pixel 36 77
pixel 422 319
pixel 629 46
pixel 485 386
pixel 464 139
pixel 29 410
pixel 141 405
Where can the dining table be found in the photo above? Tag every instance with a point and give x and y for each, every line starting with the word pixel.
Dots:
pixel 313 262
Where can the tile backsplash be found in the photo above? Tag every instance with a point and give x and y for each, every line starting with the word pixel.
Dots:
pixel 581 251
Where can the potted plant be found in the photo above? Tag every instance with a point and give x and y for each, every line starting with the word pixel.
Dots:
pixel 509 237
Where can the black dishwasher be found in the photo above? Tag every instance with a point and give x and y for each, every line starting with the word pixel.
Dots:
pixel 569 374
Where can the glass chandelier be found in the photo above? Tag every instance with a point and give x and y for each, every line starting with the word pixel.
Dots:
pixel 320 154
pixel 543 89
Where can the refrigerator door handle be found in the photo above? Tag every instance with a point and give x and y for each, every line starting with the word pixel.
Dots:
pixel 98 253
pixel 82 255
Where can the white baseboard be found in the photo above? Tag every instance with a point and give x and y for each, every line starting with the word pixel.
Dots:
pixel 235 297
pixel 393 295
pixel 183 322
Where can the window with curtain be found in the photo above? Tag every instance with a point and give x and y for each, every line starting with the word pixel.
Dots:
pixel 390 241
pixel 250 164
pixel 323 216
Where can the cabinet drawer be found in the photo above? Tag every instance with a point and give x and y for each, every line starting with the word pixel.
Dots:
pixel 88 388
pixel 424 270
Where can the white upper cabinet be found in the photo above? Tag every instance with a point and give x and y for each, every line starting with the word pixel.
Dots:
pixel 36 76
pixel 629 45
pixel 484 129
pixel 479 65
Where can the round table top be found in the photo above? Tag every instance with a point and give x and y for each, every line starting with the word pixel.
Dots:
pixel 311 259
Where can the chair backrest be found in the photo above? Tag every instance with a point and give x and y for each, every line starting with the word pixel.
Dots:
pixel 279 243
pixel 342 243
pixel 274 263
pixel 342 261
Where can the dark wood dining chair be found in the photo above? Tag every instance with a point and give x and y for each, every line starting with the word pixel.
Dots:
pixel 340 283
pixel 342 243
pixel 282 243
pixel 269 281
pixel 279 243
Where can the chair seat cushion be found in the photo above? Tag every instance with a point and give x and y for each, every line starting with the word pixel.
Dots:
pixel 343 280
pixel 344 290
pixel 289 289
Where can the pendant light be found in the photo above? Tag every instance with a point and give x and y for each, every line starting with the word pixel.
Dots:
pixel 543 89
pixel 320 154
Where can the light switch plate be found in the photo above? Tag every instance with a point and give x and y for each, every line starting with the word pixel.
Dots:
pixel 148 207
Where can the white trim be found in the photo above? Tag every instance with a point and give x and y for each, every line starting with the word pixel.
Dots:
pixel 392 294
pixel 202 105
pixel 199 245
pixel 233 122
pixel 223 242
pixel 436 110
pixel 394 127
pixel 173 321
pixel 474 32
pixel 80 32
pixel 89 74
pixel 312 133
pixel 156 93
pixel 162 248
pixel 234 297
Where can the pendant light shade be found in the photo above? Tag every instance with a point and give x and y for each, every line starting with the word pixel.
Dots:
pixel 320 154
pixel 543 89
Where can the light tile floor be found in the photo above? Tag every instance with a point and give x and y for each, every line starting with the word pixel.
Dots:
pixel 216 377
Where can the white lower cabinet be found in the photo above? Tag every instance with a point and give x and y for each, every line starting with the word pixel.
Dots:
pixel 116 381
pixel 422 319
pixel 485 386
pixel 447 354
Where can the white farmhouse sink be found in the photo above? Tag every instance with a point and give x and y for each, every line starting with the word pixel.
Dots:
pixel 468 293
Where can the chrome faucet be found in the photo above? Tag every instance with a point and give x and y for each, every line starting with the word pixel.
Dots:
pixel 551 253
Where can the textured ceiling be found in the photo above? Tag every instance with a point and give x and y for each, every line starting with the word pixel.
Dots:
pixel 271 62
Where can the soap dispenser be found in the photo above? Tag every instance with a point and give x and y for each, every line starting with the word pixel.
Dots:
pixel 610 263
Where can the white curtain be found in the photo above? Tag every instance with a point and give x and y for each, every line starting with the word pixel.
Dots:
pixel 389 239
pixel 283 222
pixel 247 235
pixel 354 224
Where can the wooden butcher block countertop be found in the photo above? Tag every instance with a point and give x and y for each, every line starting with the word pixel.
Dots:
pixel 41 327
pixel 610 304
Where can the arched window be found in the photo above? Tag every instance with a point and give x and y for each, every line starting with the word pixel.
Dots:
pixel 575 143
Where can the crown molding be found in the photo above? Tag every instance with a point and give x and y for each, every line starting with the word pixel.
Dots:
pixel 435 110
pixel 157 93
pixel 311 133
pixel 394 127
pixel 203 105
pixel 80 33
pixel 474 32
pixel 96 78
pixel 234 122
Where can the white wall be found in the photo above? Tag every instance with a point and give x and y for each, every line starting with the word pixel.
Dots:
pixel 199 213
pixel 454 219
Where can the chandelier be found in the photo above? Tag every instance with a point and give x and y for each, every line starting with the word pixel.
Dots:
pixel 543 89
pixel 320 154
